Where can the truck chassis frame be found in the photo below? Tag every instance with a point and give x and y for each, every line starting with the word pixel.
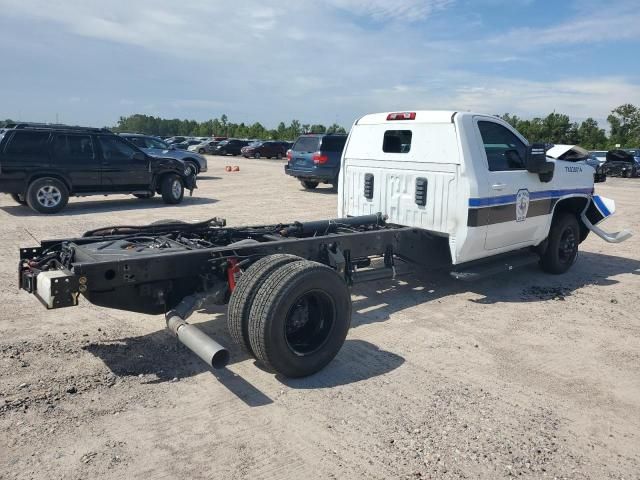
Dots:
pixel 171 267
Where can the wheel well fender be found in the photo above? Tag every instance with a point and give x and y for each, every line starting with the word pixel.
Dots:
pixel 58 176
pixel 160 175
pixel 575 205
pixel 194 161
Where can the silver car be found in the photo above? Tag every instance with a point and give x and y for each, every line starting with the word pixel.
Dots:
pixel 157 148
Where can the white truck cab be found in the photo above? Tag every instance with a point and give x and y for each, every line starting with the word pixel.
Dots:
pixel 471 178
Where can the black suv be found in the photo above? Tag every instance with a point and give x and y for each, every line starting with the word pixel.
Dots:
pixel 230 147
pixel 42 165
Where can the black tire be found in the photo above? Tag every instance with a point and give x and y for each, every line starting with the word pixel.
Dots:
pixel 300 318
pixel 47 195
pixel 19 198
pixel 193 168
pixel 172 189
pixel 257 155
pixel 625 174
pixel 562 246
pixel 243 295
pixel 279 156
pixel 308 185
pixel 144 196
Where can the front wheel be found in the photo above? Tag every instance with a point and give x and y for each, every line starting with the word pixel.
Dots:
pixel 562 247
pixel 190 169
pixel 172 189
pixel 256 155
pixel 299 318
pixel 47 195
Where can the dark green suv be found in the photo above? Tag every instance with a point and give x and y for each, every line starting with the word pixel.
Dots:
pixel 42 165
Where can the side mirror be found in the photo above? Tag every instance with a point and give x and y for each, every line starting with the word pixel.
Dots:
pixel 536 162
pixel 138 156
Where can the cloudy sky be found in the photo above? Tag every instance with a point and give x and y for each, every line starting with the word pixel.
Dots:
pixel 91 61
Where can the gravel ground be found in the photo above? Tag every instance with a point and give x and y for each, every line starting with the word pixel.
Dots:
pixel 525 375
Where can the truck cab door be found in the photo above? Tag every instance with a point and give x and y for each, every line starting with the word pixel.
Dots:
pixel 509 207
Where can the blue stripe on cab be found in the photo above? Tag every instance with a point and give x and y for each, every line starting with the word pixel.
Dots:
pixel 505 199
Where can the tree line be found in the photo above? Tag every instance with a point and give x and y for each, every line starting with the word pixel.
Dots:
pixel 624 128
pixel 219 127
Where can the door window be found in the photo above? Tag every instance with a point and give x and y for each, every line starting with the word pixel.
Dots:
pixel 155 143
pixel 504 150
pixel 28 144
pixel 139 142
pixel 115 150
pixel 73 148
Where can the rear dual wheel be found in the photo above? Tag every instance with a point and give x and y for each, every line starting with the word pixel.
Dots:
pixel 292 314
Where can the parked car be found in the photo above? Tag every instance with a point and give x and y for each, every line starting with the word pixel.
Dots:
pixel 573 153
pixel 315 158
pixel 269 149
pixel 635 152
pixel 186 144
pixel 172 140
pixel 157 148
pixel 600 155
pixel 622 163
pixel 230 147
pixel 42 165
pixel 204 147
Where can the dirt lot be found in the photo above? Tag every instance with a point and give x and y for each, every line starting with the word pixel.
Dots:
pixel 525 375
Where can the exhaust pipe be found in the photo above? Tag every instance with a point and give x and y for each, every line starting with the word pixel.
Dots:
pixel 205 347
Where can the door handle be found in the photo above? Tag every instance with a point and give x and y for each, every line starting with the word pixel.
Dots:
pixel 498 186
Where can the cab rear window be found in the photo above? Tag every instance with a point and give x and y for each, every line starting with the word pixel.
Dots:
pixel 397 141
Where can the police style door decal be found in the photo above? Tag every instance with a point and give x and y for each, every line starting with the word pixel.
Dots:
pixel 522 205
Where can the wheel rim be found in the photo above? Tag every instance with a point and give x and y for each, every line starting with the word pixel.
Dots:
pixel 190 169
pixel 309 322
pixel 49 196
pixel 176 188
pixel 568 246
